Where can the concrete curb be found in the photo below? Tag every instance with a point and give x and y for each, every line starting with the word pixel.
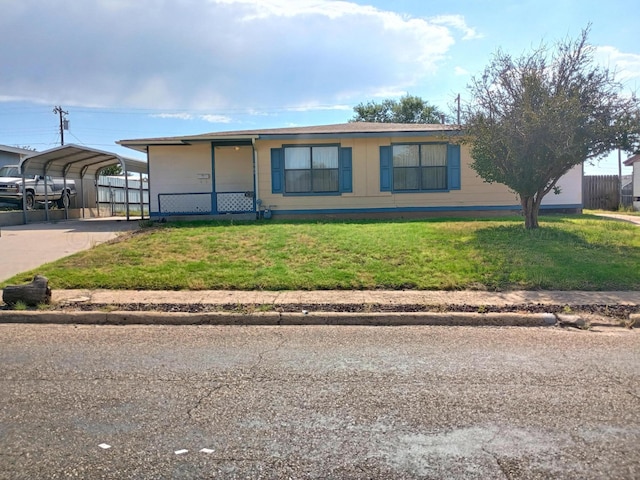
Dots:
pixel 276 318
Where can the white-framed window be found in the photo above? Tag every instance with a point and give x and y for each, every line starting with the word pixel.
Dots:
pixel 419 167
pixel 311 169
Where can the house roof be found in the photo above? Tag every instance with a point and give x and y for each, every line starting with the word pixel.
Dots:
pixel 352 129
pixel 631 160
pixel 16 150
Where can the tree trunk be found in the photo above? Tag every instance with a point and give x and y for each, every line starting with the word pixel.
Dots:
pixel 34 293
pixel 530 209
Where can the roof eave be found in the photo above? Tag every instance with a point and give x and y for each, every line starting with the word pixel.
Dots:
pixel 631 160
pixel 142 145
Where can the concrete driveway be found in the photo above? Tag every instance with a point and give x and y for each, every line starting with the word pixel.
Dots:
pixel 24 247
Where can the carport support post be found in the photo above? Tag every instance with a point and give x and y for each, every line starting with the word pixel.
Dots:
pixel 64 192
pixel 24 197
pixel 82 193
pixel 46 197
pixel 141 199
pixel 126 186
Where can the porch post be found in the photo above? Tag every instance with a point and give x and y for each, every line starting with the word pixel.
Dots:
pixel 255 176
pixel 214 197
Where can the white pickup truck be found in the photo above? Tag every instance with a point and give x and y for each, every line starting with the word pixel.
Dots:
pixel 12 190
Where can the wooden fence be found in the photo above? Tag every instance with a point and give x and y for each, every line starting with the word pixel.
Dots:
pixel 601 192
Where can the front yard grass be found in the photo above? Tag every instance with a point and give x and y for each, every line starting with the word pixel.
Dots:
pixel 579 252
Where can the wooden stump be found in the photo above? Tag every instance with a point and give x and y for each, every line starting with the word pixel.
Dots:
pixel 33 293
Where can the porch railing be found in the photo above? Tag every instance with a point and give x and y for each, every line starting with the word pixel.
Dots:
pixel 184 203
pixel 235 202
pixel 200 203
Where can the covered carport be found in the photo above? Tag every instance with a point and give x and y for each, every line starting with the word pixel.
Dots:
pixel 75 161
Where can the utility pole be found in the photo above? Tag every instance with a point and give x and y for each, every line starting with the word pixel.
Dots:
pixel 458 102
pixel 64 123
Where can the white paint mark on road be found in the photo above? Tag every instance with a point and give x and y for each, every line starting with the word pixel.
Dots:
pixel 206 450
pixel 181 452
pixel 104 446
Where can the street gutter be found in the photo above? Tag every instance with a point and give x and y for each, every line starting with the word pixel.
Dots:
pixel 286 318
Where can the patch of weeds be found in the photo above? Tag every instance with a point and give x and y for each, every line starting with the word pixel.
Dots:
pixel 482 309
pixel 45 306
pixel 246 309
pixel 265 307
pixel 19 305
pixel 108 308
pixel 146 223
pixel 567 309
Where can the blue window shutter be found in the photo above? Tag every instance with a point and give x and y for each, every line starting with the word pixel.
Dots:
pixel 277 170
pixel 385 169
pixel 453 164
pixel 346 170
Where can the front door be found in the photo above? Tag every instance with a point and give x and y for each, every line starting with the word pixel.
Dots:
pixel 233 183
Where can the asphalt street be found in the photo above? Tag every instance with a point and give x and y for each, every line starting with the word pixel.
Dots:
pixel 318 402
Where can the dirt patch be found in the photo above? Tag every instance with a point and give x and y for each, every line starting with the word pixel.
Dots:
pixel 611 311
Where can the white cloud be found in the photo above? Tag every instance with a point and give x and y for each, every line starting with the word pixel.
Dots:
pixel 314 107
pixel 215 118
pixel 458 22
pixel 388 92
pixel 174 116
pixel 626 66
pixel 461 72
pixel 228 56
pixel 188 116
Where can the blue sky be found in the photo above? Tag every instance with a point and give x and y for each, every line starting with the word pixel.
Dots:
pixel 146 68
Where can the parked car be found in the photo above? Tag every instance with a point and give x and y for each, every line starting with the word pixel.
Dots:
pixel 12 188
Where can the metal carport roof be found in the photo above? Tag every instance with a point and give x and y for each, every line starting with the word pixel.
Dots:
pixel 78 161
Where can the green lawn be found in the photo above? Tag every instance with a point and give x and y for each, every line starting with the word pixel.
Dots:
pixel 567 253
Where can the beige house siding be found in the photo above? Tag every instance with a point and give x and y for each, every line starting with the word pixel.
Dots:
pixel 366 181
pixel 178 169
pixel 187 169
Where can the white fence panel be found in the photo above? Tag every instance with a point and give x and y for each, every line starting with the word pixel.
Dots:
pixel 112 195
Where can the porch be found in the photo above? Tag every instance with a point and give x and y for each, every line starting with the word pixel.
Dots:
pixel 216 179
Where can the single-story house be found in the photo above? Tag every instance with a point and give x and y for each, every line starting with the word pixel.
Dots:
pixel 355 169
pixel 634 161
pixel 13 155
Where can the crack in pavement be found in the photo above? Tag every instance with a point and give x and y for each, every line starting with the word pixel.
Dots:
pixel 202 398
pixel 495 455
pixel 261 355
pixel 250 370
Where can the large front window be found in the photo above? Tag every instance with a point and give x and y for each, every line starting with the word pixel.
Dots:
pixel 311 169
pixel 419 167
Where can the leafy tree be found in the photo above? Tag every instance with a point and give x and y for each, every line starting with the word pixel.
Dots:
pixel 112 170
pixel 535 117
pixel 409 109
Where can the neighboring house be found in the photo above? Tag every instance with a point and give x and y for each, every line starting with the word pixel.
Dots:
pixel 357 169
pixel 634 162
pixel 627 190
pixel 13 155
